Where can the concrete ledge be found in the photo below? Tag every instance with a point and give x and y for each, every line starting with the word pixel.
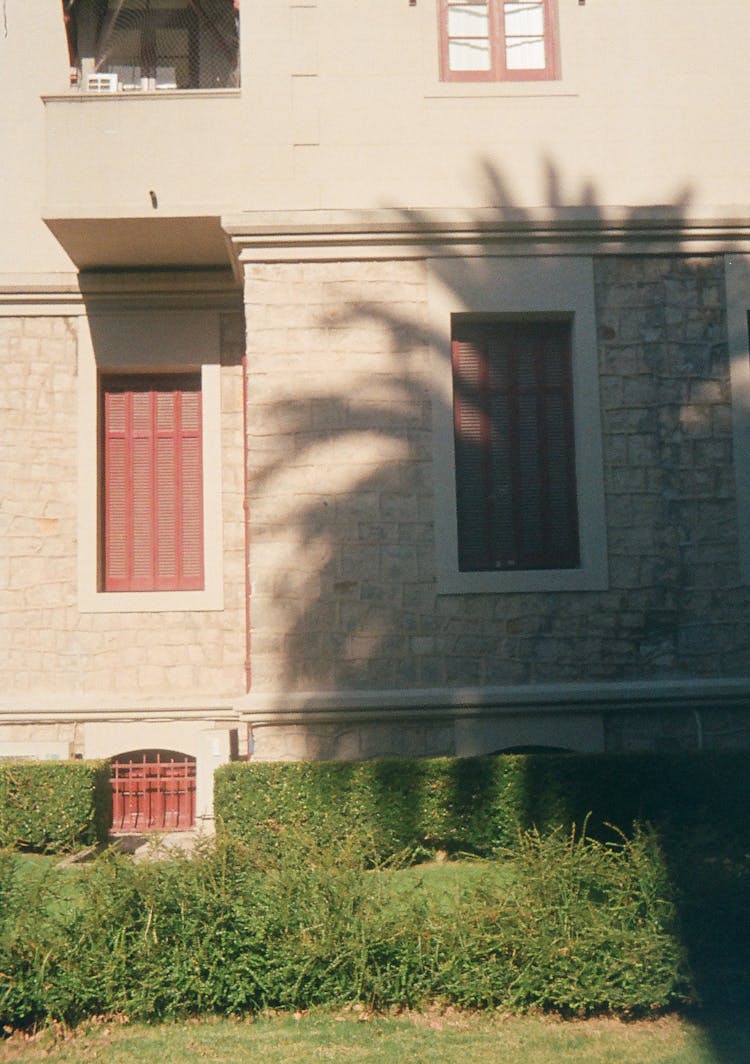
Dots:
pixel 41 709
pixel 301 236
pixel 437 703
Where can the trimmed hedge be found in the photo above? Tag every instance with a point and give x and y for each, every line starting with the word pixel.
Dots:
pixel 561 923
pixel 53 806
pixel 479 804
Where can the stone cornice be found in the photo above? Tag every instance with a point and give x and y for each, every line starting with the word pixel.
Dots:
pixel 50 709
pixel 74 293
pixel 297 236
pixel 486 702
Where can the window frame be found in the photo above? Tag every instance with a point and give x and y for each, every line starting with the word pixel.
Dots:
pixel 501 364
pixel 499 70
pixel 118 515
pixel 519 288
pixel 121 343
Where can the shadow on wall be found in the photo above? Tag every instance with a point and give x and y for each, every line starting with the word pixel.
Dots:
pixel 342 476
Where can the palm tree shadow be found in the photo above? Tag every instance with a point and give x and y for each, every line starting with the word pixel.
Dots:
pixel 363 613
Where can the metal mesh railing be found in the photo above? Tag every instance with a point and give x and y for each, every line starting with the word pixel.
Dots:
pixel 129 45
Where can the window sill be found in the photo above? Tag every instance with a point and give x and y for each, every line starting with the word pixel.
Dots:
pixel 511 90
pixel 593 577
pixel 80 95
pixel 151 601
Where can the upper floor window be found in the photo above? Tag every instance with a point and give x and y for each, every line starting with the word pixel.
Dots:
pixel 498 40
pixel 149 45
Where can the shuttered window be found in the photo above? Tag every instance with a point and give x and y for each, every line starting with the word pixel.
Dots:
pixel 498 40
pixel 515 461
pixel 152 485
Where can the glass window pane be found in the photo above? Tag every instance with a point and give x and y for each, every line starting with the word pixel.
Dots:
pixel 469 55
pixel 525 54
pixel 468 21
pixel 524 20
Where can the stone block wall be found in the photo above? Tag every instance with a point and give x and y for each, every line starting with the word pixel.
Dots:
pixel 340 476
pixel 47 647
pixel 342 481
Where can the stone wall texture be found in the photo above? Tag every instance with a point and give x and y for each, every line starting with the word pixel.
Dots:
pixel 340 477
pixel 341 491
pixel 46 645
pixel 342 486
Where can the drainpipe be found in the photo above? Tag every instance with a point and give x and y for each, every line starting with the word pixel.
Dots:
pixel 246 511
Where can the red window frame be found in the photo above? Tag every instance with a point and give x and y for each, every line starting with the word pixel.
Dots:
pixel 499 70
pixel 514 445
pixel 152 483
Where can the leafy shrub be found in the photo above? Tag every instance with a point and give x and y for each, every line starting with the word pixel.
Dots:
pixel 570 925
pixel 53 806
pixel 476 805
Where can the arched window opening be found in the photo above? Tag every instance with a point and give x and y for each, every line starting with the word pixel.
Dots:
pixel 153 790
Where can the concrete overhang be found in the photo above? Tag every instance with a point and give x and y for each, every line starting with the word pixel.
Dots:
pixel 320 235
pixel 145 242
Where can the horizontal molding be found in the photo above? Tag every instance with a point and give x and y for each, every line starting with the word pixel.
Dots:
pixel 439 703
pixel 298 236
pixel 37 295
pixel 41 709
pixel 117 290
pixel 275 709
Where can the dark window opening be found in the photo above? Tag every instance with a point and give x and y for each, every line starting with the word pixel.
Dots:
pixel 153 45
pixel 515 459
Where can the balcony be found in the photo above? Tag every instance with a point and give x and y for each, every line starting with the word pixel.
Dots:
pixel 141 179
pixel 141 154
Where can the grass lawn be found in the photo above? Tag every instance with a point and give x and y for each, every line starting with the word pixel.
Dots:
pixel 56 882
pixel 429 1038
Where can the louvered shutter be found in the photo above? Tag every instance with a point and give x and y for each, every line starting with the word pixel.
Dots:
pixel 560 524
pixel 471 424
pixel 153 499
pixel 515 463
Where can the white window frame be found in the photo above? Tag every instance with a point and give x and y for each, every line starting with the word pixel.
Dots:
pixel 523 287
pixel 142 342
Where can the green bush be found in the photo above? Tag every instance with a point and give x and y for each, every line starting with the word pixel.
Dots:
pixel 53 806
pixel 476 805
pixel 570 925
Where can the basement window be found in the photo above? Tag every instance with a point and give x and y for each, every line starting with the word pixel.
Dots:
pixel 153 45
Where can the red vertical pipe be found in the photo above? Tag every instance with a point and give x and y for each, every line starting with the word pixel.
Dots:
pixel 246 510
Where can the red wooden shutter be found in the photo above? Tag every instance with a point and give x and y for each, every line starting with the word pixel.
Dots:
pixel 471 424
pixel 515 465
pixel 153 499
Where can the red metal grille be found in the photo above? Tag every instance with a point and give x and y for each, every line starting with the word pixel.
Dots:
pixel 153 790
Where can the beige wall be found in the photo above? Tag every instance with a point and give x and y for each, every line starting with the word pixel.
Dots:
pixel 33 58
pixel 342 107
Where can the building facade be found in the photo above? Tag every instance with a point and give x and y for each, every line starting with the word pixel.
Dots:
pixel 373 382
